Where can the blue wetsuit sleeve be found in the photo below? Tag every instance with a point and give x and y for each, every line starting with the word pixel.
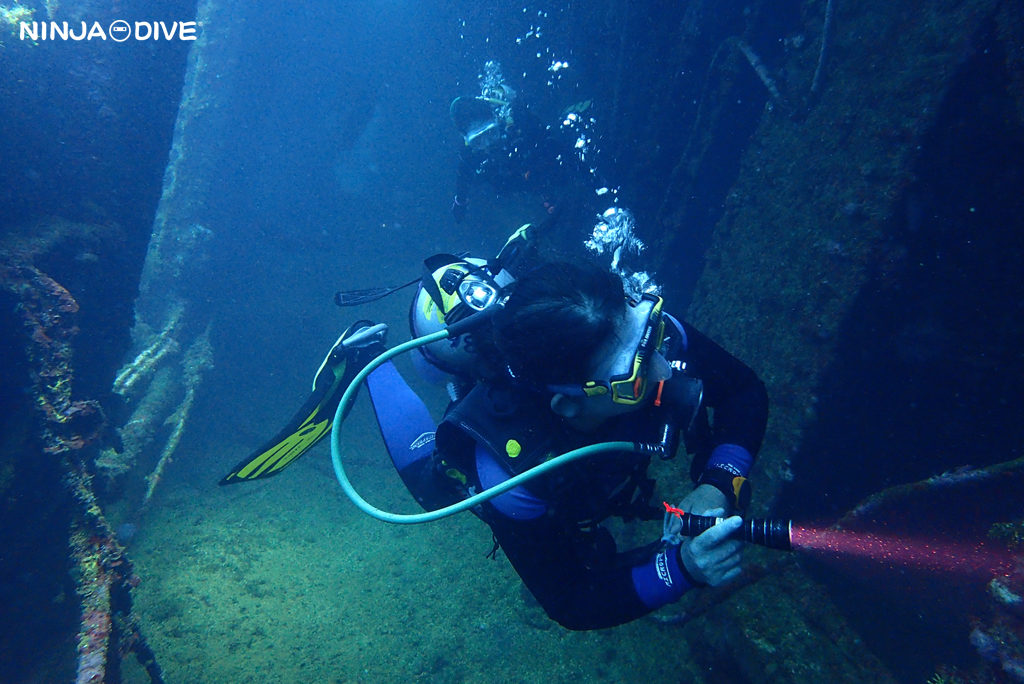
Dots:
pixel 409 433
pixel 405 423
pixel 580 580
pixel 578 577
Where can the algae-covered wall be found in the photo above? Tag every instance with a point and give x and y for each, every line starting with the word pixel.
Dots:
pixel 865 264
pixel 810 218
pixel 84 136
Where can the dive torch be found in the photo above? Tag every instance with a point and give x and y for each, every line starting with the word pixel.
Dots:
pixel 775 534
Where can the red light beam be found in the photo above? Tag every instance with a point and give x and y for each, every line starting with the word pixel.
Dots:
pixel 906 553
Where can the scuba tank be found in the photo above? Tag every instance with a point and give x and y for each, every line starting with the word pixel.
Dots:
pixel 453 288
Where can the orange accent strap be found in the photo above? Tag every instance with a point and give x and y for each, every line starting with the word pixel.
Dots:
pixel 657 397
pixel 678 512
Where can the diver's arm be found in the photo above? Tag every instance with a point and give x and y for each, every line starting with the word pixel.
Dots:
pixel 581 585
pixel 739 400
pixel 578 577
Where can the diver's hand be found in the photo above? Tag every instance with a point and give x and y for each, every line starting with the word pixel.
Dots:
pixel 703 499
pixel 459 208
pixel 713 558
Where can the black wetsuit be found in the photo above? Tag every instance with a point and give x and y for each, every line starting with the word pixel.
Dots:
pixel 550 527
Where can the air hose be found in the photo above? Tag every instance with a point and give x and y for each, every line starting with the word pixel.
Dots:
pixel 775 534
pixel 429 516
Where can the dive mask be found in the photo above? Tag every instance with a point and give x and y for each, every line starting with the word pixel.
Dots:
pixel 628 382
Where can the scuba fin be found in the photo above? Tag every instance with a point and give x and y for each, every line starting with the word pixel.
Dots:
pixel 313 421
pixel 357 346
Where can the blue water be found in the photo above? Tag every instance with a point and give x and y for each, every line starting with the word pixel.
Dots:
pixel 323 158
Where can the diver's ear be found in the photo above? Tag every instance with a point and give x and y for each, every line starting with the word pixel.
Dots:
pixel 567 407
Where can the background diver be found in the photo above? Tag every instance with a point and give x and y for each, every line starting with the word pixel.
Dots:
pixel 565 359
pixel 508 148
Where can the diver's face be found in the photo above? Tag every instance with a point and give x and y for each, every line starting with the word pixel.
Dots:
pixel 590 412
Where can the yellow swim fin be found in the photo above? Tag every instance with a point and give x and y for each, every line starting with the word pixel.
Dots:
pixel 313 421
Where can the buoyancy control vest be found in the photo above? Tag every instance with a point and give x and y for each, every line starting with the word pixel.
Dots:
pixel 517 427
pixel 519 431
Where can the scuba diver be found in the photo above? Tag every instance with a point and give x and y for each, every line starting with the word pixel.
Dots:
pixel 543 358
pixel 507 147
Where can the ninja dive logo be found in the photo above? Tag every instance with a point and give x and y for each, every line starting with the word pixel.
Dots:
pixel 118 31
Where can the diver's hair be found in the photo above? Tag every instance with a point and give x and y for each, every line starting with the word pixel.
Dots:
pixel 556 318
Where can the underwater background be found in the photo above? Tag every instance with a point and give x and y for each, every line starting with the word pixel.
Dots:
pixel 831 189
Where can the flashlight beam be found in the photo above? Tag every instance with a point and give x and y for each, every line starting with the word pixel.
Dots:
pixel 897 553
